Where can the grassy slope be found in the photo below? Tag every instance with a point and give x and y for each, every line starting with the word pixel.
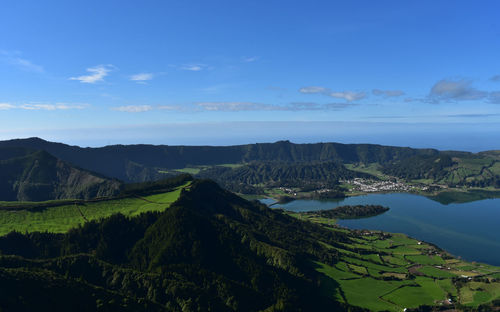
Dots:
pixel 373 169
pixel 381 271
pixel 59 219
pixel 196 169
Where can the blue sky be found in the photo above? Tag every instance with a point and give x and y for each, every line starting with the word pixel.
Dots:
pixel 420 73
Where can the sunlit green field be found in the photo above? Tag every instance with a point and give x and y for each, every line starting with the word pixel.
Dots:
pixel 196 169
pixel 59 219
pixel 381 271
pixel 373 169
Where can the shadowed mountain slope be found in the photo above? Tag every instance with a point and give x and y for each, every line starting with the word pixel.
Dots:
pixel 142 162
pixel 211 250
pixel 30 175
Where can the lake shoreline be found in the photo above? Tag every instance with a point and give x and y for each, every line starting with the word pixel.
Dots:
pixel 445 196
pixel 466 230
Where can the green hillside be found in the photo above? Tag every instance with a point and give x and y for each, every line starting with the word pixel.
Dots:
pixel 212 250
pixel 60 216
pixel 306 175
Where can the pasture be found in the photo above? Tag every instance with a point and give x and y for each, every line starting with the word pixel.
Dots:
pixel 381 271
pixel 59 217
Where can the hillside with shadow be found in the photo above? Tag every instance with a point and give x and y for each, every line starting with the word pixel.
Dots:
pixel 36 175
pixel 210 250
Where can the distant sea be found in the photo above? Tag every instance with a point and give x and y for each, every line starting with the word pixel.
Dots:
pixel 473 137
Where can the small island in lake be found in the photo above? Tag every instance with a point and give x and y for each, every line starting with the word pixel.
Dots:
pixel 349 212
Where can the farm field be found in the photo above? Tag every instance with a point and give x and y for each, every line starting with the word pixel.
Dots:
pixel 57 218
pixel 381 271
pixel 196 169
pixel 373 169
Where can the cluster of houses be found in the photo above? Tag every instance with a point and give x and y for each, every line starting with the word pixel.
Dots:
pixel 288 191
pixel 366 185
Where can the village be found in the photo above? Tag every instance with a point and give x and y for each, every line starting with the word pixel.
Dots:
pixel 370 186
pixel 361 185
pixel 364 185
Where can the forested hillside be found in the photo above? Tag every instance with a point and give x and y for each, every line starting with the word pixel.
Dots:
pixel 143 162
pixel 306 175
pixel 211 250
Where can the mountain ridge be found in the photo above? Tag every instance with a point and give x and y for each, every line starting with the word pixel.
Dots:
pixel 36 175
pixel 137 163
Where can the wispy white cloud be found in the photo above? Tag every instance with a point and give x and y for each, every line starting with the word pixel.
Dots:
pixel 313 89
pixel 14 58
pixel 346 95
pixel 141 77
pixel 312 106
pixel 193 67
pixel 6 106
pixel 97 73
pixel 51 107
pixel 337 106
pixel 133 108
pixel 27 65
pixel 252 106
pixel 387 93
pixel 233 106
pixel 42 106
pixel 250 59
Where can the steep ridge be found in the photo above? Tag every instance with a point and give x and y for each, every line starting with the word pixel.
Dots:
pixel 211 250
pixel 136 163
pixel 28 175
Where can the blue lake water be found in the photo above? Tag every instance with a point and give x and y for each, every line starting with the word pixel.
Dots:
pixel 467 230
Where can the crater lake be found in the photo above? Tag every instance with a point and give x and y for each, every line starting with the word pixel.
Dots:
pixel 467 230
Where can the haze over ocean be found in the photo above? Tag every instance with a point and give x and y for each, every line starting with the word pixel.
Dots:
pixel 462 137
